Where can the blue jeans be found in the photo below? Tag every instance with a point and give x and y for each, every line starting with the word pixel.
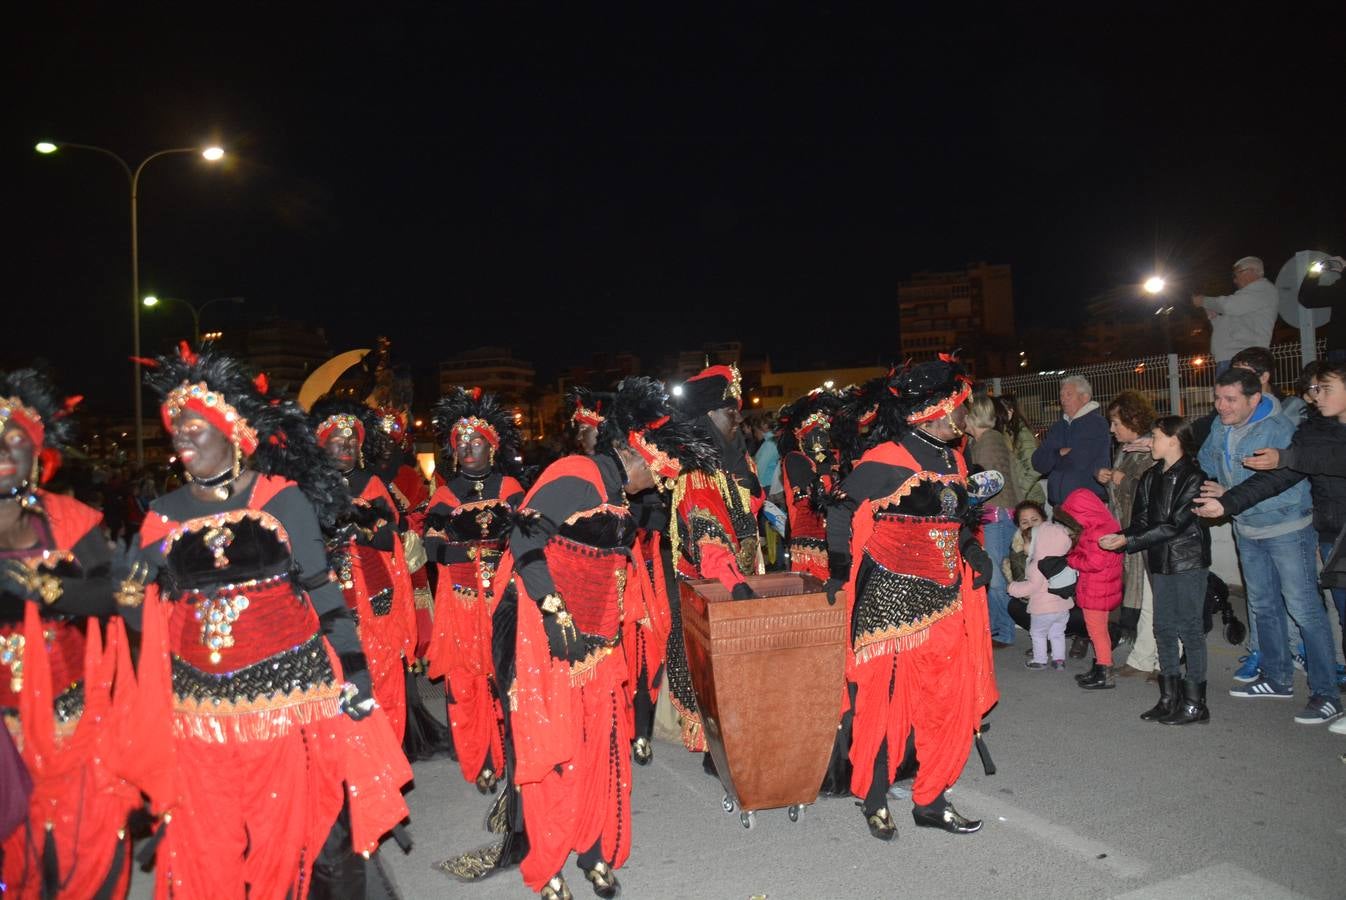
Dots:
pixel 1338 594
pixel 1281 574
pixel 998 535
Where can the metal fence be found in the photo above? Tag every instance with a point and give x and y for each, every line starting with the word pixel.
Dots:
pixel 1174 384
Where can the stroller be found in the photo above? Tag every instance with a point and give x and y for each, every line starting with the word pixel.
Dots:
pixel 1217 602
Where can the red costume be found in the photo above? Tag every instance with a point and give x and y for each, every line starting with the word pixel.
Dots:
pixel 919 666
pixel 809 472
pixel 255 734
pixel 466 528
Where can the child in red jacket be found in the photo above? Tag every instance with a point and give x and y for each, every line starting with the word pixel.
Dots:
pixel 1099 590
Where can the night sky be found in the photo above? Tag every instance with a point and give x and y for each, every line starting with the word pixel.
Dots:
pixel 569 181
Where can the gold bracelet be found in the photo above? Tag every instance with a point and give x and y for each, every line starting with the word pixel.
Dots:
pixel 552 603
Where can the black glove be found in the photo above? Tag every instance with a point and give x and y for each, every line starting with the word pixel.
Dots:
pixel 359 702
pixel 14 578
pixel 743 591
pixel 564 640
pixel 980 562
pixel 833 586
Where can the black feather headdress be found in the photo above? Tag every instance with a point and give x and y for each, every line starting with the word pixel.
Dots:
pixel 474 410
pixel 640 416
pixel 275 433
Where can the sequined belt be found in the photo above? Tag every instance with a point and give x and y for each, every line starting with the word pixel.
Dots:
pixel 463 575
pixel 894 610
pixel 237 625
pixel 382 602
pixel 925 548
pixel 258 701
pixel 592 582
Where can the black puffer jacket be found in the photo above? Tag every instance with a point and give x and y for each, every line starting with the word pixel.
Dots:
pixel 1162 521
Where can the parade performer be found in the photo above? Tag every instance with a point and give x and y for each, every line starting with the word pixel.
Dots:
pixel 57 666
pixel 585 417
pixel 919 661
pixel 712 525
pixel 256 733
pixel 373 571
pixel 574 576
pixel 810 467
pixel 466 528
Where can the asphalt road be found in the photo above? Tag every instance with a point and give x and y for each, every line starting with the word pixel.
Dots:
pixel 1088 802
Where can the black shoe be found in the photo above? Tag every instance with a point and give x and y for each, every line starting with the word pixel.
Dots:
pixel 881 824
pixel 947 819
pixel 1189 707
pixel 1168 694
pixel 1078 646
pixel 708 765
pixel 642 751
pixel 556 889
pixel 604 880
pixel 1101 680
pixel 486 781
pixel 1091 673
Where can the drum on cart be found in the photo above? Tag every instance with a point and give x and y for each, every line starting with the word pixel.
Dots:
pixel 769 675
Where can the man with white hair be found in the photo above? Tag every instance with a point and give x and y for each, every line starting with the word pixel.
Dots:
pixel 1243 319
pixel 1076 447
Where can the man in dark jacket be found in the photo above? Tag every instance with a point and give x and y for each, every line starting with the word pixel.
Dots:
pixel 1076 447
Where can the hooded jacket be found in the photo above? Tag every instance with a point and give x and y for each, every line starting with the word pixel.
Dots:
pixel 1049 539
pixel 1222 458
pixel 1100 584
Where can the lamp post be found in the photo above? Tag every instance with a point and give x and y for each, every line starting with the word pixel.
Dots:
pixel 210 154
pixel 152 301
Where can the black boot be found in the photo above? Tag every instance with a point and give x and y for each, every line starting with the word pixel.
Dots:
pixel 1189 707
pixel 1102 680
pixel 1168 690
pixel 1086 676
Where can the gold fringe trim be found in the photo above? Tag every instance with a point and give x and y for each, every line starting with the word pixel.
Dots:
pixel 582 672
pixel 892 639
pixel 263 721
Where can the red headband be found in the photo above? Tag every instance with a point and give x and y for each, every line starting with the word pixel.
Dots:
pixel 347 423
pixel 212 407
pixel 468 424
pixel 941 408
pixel 13 410
pixel 584 416
pixel 661 464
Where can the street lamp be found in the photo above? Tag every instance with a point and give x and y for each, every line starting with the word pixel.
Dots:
pixel 210 154
pixel 1154 285
pixel 152 301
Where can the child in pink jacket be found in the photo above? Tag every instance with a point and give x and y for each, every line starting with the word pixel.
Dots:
pixel 1049 585
pixel 1100 586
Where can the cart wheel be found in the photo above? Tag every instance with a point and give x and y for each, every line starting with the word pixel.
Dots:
pixel 727 804
pixel 794 811
pixel 747 819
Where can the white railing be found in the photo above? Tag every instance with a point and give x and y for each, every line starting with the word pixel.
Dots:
pixel 1174 384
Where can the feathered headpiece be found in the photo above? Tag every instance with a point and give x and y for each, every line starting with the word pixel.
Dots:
pixel 588 406
pixel 464 412
pixel 923 393
pixel 816 410
pixel 275 433
pixel 347 416
pixel 716 387
pixel 639 416
pixel 29 402
pixel 856 414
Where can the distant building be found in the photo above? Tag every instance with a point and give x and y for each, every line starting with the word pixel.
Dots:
pixel 779 388
pixel 972 309
pixel 287 351
pixel 493 369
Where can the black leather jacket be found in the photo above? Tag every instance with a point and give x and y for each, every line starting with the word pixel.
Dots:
pixel 1162 521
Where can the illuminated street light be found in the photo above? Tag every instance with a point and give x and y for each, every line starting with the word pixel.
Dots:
pixel 677 390
pixel 1316 267
pixel 1154 285
pixel 212 154
pixel 151 301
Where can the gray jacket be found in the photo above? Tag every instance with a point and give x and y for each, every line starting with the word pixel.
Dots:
pixel 1243 319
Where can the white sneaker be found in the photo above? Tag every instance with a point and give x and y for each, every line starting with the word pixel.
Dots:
pixel 1339 726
